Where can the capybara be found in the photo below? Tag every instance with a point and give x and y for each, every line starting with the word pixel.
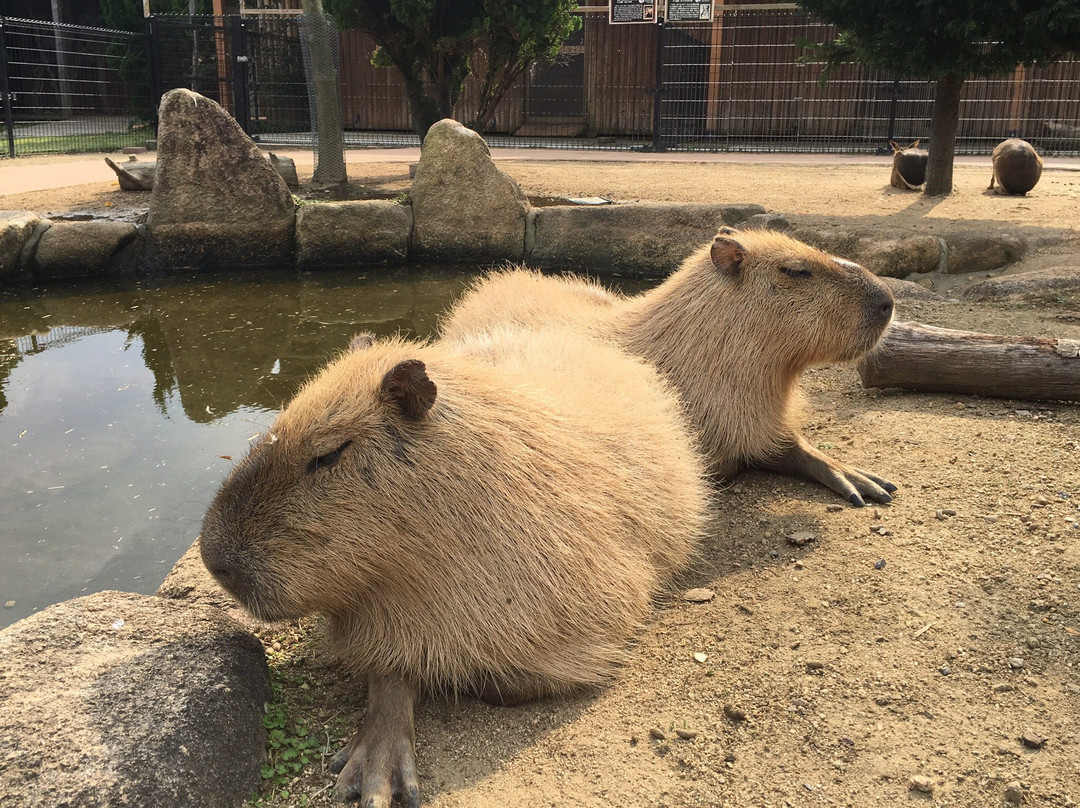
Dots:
pixel 908 165
pixel 1017 167
pixel 732 329
pixel 492 516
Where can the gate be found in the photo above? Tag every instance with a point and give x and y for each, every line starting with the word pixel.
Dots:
pixel 252 66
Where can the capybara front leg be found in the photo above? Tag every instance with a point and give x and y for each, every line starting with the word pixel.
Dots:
pixel 801 459
pixel 379 764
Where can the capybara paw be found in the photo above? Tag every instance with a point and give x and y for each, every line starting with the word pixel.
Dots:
pixel 377 771
pixel 858 484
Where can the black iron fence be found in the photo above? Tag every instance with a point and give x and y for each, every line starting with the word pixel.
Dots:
pixel 736 83
pixel 71 88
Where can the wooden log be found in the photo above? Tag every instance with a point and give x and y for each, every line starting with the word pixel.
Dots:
pixel 923 357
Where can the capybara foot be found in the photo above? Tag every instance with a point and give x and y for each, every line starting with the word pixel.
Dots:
pixel 854 484
pixel 378 765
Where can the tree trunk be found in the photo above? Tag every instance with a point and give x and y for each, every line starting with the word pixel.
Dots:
pixel 922 357
pixel 944 122
pixel 422 108
pixel 328 123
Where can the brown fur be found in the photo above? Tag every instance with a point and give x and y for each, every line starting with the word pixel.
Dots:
pixel 908 166
pixel 496 513
pixel 731 335
pixel 1017 167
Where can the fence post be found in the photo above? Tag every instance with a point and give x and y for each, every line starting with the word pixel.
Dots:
pixel 239 73
pixel 658 86
pixel 5 93
pixel 153 56
pixel 886 149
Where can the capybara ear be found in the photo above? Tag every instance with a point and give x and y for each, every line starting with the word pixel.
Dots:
pixel 727 255
pixel 409 388
pixel 727 231
pixel 362 341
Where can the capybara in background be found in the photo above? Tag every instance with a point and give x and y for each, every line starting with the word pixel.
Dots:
pixel 492 516
pixel 732 329
pixel 1017 167
pixel 908 165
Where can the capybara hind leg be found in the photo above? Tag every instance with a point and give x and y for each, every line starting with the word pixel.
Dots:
pixel 801 459
pixel 379 764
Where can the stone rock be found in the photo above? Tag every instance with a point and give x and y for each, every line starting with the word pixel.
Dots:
pixel 190 581
pixel 647 239
pixel 884 256
pixel 352 233
pixel 766 221
pixel 909 290
pixel 123 699
pixel 980 252
pixel 464 207
pixel 80 249
pixel 922 783
pixel 16 228
pixel 1023 283
pixel 894 258
pixel 1014 792
pixel 698 595
pixel 735 215
pixel 217 202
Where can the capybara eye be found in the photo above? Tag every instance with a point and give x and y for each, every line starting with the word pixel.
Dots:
pixel 794 272
pixel 327 460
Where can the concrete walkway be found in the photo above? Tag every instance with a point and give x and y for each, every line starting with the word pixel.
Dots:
pixel 25 174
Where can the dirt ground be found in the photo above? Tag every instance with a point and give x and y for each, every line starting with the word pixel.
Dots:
pixel 925 652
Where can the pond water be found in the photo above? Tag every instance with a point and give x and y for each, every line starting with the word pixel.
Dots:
pixel 123 405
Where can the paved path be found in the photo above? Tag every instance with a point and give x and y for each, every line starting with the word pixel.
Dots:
pixel 25 174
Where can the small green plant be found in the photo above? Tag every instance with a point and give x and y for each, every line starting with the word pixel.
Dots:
pixel 291 744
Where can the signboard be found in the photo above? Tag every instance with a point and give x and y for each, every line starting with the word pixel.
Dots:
pixel 677 11
pixel 632 11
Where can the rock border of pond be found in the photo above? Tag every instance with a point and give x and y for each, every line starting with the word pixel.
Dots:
pixel 219 204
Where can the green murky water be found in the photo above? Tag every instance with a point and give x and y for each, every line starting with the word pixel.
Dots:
pixel 121 407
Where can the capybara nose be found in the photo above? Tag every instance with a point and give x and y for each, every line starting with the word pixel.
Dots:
pixel 882 307
pixel 887 310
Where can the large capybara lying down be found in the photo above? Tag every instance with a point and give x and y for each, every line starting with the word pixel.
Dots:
pixel 492 516
pixel 732 329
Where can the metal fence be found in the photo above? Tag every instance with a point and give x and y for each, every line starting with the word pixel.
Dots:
pixel 66 88
pixel 736 83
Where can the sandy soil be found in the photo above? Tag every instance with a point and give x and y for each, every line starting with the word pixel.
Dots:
pixel 924 652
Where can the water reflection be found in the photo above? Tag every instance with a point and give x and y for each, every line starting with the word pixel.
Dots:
pixel 121 407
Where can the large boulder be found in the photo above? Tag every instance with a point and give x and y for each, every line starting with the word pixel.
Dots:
pixel 217 202
pixel 880 252
pixel 16 228
pixel 979 251
pixel 464 207
pixel 352 233
pixel 1048 279
pixel 190 581
pixel 646 239
pixel 123 699
pixel 80 249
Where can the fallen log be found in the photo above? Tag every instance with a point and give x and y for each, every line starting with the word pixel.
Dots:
pixel 139 176
pixel 923 357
